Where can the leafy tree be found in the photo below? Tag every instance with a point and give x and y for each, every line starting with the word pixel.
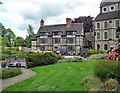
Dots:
pixel 24 43
pixel 1 2
pixel 30 33
pixel 86 20
pixel 18 41
pixel 3 33
pixel 1 40
pixel 30 30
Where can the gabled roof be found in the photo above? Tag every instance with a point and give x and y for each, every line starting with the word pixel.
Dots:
pixel 107 2
pixel 61 27
pixel 34 37
pixel 106 16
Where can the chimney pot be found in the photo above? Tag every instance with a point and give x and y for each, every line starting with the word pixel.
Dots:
pixel 68 21
pixel 42 22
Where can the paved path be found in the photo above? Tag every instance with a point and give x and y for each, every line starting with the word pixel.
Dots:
pixel 5 83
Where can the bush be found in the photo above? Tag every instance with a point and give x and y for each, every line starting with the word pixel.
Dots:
pixel 107 69
pixel 5 51
pixel 74 59
pixel 38 59
pixel 92 51
pixel 92 83
pixel 110 84
pixel 2 56
pixel 104 51
pixel 98 56
pixel 9 72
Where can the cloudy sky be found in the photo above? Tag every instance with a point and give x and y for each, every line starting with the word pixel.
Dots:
pixel 18 14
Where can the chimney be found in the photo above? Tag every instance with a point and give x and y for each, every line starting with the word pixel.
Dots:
pixel 68 21
pixel 42 22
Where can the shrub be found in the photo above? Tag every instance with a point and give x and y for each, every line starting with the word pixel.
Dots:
pixel 92 51
pixel 9 72
pixel 92 83
pixel 38 59
pixel 5 51
pixel 110 85
pixel 2 56
pixel 74 59
pixel 98 56
pixel 107 69
pixel 104 51
pixel 114 54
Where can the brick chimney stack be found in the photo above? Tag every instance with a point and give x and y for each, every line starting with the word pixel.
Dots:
pixel 68 21
pixel 42 22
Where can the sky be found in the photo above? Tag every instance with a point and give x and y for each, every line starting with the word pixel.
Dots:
pixel 18 14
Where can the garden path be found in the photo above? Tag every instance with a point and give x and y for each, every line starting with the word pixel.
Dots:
pixel 5 83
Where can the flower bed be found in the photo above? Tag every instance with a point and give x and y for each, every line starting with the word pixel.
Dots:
pixel 115 53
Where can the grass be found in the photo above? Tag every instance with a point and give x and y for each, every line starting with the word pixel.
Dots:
pixel 57 77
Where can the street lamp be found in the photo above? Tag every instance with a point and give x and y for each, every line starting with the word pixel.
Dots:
pixel 9 38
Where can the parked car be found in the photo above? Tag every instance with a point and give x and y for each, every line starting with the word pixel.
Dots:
pixel 36 50
pixel 61 51
pixel 47 50
pixel 16 64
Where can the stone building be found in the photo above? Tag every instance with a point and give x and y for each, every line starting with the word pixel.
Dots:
pixel 67 36
pixel 106 23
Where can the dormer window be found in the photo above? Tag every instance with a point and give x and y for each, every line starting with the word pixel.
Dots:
pixel 105 9
pixel 112 8
pixel 71 32
pixel 56 33
pixel 43 33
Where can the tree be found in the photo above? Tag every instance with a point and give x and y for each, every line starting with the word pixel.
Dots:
pixel 1 2
pixel 30 30
pixel 30 33
pixel 3 33
pixel 18 41
pixel 86 20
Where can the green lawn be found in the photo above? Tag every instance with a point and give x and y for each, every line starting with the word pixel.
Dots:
pixel 57 77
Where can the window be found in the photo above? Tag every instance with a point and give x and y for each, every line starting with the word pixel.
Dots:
pixel 105 9
pixel 56 40
pixel 43 40
pixel 71 48
pixel 105 25
pixel 105 35
pixel 98 25
pixel 71 33
pixel 98 46
pixel 117 23
pixel 105 47
pixel 70 40
pixel 112 8
pixel 56 33
pixel 117 35
pixel 98 35
pixel 43 33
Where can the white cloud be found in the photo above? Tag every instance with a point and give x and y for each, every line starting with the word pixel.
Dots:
pixel 24 12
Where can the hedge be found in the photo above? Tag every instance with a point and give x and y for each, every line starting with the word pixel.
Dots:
pixel 92 51
pixel 98 57
pixel 107 69
pixel 74 59
pixel 9 72
pixel 34 59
